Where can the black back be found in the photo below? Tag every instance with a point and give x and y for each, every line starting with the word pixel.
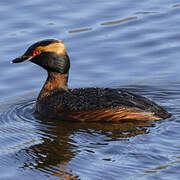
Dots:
pixel 84 99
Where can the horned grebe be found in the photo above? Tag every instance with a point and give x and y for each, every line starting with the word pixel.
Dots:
pixel 57 101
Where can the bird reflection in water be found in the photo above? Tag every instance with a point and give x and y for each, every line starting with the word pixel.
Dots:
pixel 61 145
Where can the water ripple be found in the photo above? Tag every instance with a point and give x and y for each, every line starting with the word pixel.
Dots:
pixel 112 44
pixel 16 128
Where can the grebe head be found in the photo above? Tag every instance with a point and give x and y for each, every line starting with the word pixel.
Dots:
pixel 49 54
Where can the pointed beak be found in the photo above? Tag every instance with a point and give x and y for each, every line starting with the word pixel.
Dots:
pixel 22 59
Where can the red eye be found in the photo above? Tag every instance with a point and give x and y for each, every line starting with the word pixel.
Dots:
pixel 36 52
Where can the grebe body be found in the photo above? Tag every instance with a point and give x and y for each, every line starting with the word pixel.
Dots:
pixel 57 101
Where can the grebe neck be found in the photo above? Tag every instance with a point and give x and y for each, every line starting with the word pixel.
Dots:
pixel 54 82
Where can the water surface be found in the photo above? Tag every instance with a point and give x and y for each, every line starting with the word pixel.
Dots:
pixel 134 45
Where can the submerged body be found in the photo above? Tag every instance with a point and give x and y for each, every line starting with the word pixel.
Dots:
pixel 83 104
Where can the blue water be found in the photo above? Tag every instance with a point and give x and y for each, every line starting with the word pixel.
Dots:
pixel 134 45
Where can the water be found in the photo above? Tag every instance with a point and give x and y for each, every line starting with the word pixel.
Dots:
pixel 134 45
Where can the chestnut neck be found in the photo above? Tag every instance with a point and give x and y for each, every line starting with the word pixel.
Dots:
pixel 54 82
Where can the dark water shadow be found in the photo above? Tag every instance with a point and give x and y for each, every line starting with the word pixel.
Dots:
pixel 62 145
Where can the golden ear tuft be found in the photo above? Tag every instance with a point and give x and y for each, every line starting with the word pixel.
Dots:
pixel 58 48
pixel 61 41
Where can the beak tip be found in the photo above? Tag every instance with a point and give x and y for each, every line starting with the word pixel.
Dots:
pixel 21 59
